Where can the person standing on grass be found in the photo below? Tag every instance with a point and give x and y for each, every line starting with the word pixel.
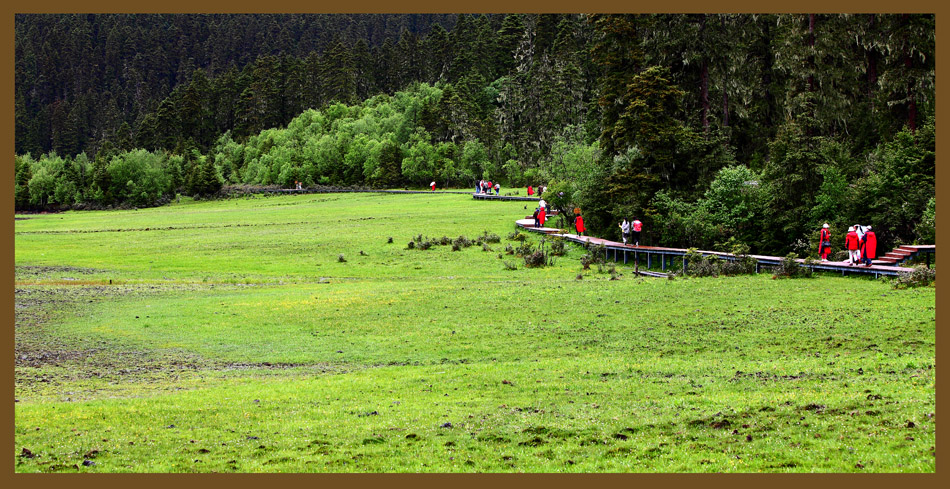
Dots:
pixel 432 185
pixel 868 247
pixel 530 191
pixel 851 243
pixel 625 230
pixel 635 228
pixel 824 242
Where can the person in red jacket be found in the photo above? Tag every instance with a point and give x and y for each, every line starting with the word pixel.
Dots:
pixel 530 191
pixel 432 185
pixel 851 242
pixel 824 242
pixel 541 216
pixel 579 222
pixel 868 246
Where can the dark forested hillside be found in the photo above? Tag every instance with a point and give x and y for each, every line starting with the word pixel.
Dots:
pixel 714 129
pixel 79 78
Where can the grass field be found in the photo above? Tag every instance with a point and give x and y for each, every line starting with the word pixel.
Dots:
pixel 229 336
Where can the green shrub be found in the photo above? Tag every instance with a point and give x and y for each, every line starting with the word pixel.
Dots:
pixel 702 266
pixel 919 276
pixel 558 247
pixel 524 249
pixel 516 236
pixel 537 259
pixel 461 242
pixel 790 268
pixel 487 237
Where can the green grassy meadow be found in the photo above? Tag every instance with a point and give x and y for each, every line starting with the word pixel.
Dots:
pixel 227 336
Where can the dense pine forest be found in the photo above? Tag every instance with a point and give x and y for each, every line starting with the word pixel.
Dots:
pixel 716 130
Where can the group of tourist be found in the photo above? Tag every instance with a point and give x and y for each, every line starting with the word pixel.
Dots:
pixel 630 230
pixel 541 190
pixel 861 243
pixel 540 213
pixel 486 186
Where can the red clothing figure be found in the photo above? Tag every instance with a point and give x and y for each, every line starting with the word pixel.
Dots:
pixel 869 247
pixel 579 224
pixel 851 241
pixel 530 191
pixel 433 186
pixel 541 216
pixel 822 239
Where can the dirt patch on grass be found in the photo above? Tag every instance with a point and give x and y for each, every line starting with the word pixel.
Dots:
pixel 47 357
pixel 27 273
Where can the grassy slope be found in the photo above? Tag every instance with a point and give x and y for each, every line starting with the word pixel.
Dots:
pixel 232 339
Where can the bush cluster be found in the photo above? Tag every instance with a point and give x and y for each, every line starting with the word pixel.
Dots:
pixel 919 276
pixel 714 266
pixel 516 236
pixel 790 268
pixel 421 242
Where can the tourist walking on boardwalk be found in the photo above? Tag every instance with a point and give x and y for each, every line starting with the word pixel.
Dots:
pixel 868 247
pixel 497 188
pixel 824 242
pixel 635 227
pixel 542 204
pixel 579 222
pixel 530 191
pixel 625 230
pixel 851 243
pixel 535 216
pixel 541 215
pixel 859 230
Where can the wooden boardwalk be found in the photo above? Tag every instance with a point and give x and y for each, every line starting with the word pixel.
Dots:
pixel 480 196
pixel 350 190
pixel 622 252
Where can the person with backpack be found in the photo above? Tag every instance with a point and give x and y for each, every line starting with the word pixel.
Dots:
pixel 824 242
pixel 635 227
pixel 497 188
pixel 535 216
pixel 625 230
